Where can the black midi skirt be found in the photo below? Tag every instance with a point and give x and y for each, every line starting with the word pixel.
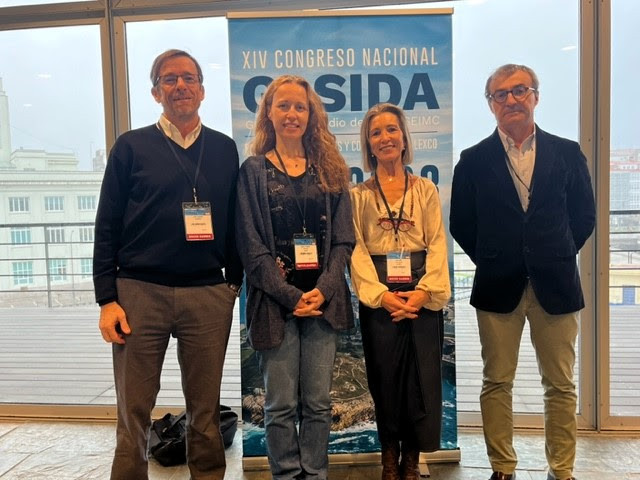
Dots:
pixel 403 362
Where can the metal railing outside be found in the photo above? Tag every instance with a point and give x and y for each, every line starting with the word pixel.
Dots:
pixel 50 266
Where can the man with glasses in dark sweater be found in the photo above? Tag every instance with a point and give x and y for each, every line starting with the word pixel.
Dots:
pixel 165 264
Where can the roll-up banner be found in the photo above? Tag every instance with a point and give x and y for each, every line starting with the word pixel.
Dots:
pixel 353 59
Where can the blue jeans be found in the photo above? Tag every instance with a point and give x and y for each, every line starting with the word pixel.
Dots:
pixel 297 377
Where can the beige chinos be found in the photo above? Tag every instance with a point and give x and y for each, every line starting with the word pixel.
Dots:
pixel 553 338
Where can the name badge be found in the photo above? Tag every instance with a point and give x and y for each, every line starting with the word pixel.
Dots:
pixel 398 267
pixel 197 221
pixel 305 251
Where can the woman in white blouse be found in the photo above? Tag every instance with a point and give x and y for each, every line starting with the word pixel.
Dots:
pixel 400 273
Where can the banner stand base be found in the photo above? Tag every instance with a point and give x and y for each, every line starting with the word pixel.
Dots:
pixel 373 458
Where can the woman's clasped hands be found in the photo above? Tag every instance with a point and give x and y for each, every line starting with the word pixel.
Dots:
pixel 403 305
pixel 309 304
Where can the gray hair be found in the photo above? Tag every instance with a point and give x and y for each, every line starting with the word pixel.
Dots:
pixel 369 161
pixel 163 57
pixel 510 69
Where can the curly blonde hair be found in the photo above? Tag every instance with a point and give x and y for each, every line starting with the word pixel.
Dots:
pixel 319 143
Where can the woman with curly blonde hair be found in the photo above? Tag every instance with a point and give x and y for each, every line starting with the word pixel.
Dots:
pixel 295 233
pixel 318 142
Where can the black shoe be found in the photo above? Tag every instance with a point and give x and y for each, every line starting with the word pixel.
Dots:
pixel 503 476
pixel 551 477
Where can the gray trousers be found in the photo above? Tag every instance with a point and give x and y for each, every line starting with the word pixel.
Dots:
pixel 200 319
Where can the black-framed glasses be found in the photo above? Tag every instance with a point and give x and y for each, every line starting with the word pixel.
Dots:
pixel 519 92
pixel 171 80
pixel 389 224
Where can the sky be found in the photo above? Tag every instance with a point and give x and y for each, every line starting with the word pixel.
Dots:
pixel 53 77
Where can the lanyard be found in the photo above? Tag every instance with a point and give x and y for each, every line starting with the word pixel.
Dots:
pixel 184 169
pixel 395 222
pixel 511 167
pixel 303 210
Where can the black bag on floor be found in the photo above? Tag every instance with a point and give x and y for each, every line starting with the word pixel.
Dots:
pixel 228 425
pixel 167 439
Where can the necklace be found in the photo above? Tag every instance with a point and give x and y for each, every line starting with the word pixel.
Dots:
pixel 388 179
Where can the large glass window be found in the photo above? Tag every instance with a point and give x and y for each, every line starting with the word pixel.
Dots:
pixel 486 36
pixel 52 128
pixel 624 220
pixel 51 84
pixel 52 140
pixel 196 36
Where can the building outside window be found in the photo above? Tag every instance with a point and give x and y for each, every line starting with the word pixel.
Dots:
pixel 22 273
pixel 20 235
pixel 58 269
pixel 87 202
pixel 18 204
pixel 54 204
pixel 55 235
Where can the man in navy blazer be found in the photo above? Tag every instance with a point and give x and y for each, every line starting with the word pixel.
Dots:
pixel 522 206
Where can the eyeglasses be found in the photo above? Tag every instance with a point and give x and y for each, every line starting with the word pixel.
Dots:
pixel 389 223
pixel 171 80
pixel 519 92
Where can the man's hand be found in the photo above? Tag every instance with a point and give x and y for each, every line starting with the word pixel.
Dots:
pixel 113 323
pixel 309 304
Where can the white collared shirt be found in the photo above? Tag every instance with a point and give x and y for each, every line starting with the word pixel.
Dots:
pixel 521 164
pixel 171 131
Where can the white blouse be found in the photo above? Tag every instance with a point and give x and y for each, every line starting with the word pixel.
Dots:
pixel 428 234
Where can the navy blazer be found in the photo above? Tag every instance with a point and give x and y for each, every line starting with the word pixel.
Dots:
pixel 510 246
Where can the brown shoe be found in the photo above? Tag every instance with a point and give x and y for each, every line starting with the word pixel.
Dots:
pixel 390 456
pixel 409 464
pixel 503 476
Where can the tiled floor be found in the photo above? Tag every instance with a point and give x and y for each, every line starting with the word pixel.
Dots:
pixel 82 451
